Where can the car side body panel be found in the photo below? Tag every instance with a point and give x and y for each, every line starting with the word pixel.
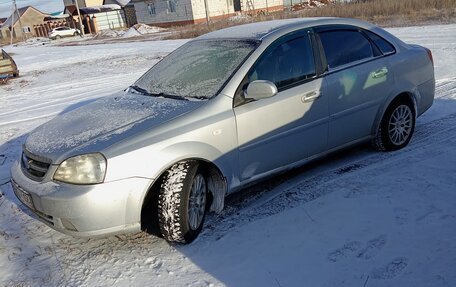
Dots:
pixel 207 133
pixel 287 123
pixel 413 77
pixel 356 94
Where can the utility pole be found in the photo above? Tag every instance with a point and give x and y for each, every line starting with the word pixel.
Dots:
pixel 207 12
pixel 20 22
pixel 79 16
pixel 12 25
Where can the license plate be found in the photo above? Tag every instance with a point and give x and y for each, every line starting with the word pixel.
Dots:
pixel 23 196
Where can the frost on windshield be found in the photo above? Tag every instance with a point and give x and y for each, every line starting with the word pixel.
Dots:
pixel 198 69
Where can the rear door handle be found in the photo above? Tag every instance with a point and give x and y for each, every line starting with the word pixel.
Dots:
pixel 311 96
pixel 380 73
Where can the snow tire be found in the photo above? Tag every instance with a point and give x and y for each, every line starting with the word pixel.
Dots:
pixel 174 202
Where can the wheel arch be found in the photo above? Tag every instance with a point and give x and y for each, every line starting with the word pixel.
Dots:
pixel 217 186
pixel 408 96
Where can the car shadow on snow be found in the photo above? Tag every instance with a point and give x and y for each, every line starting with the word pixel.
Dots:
pixel 237 247
pixel 232 253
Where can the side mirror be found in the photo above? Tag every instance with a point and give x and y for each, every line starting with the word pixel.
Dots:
pixel 260 89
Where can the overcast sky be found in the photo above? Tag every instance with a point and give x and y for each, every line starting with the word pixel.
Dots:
pixel 46 6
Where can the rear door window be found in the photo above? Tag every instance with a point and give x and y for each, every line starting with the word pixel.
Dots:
pixel 343 47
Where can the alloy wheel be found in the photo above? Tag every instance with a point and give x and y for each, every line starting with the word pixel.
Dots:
pixel 400 124
pixel 197 202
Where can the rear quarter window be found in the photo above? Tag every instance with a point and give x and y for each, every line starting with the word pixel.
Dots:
pixel 384 46
pixel 342 47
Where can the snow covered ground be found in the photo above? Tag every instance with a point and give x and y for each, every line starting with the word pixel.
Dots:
pixel 358 218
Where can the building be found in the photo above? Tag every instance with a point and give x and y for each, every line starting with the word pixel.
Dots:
pixel 28 18
pixel 102 14
pixel 181 12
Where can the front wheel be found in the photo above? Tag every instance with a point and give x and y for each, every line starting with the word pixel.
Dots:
pixel 182 202
pixel 397 126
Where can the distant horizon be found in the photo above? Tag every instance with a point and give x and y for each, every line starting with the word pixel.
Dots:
pixel 45 6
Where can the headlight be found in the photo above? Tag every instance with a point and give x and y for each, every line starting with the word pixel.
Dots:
pixel 82 169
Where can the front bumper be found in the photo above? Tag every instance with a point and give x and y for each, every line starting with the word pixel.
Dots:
pixel 83 210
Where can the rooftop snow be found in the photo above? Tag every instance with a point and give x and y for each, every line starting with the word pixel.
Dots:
pixel 98 9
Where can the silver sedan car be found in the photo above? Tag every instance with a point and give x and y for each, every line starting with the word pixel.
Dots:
pixel 226 109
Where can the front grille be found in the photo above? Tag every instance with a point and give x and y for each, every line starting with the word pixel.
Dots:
pixel 34 167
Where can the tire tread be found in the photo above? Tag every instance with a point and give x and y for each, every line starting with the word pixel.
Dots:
pixel 169 201
pixel 173 200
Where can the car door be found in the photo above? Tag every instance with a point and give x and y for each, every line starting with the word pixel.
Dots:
pixel 67 31
pixel 290 126
pixel 358 80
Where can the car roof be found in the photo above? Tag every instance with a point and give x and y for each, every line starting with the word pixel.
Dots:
pixel 261 30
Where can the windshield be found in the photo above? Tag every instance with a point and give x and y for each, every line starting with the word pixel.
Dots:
pixel 198 69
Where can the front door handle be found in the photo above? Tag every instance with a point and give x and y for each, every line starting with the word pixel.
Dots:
pixel 311 96
pixel 380 73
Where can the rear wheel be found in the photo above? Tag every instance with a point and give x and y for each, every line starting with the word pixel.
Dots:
pixel 397 126
pixel 182 202
pixel 58 37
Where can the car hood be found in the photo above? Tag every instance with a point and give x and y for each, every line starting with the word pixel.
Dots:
pixel 100 124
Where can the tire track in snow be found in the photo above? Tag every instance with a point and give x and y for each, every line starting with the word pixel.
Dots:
pixel 445 86
pixel 76 91
pixel 86 90
pixel 445 89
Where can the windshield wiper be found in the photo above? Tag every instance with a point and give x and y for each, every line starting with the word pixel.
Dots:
pixel 200 97
pixel 163 95
pixel 141 90
pixel 169 96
